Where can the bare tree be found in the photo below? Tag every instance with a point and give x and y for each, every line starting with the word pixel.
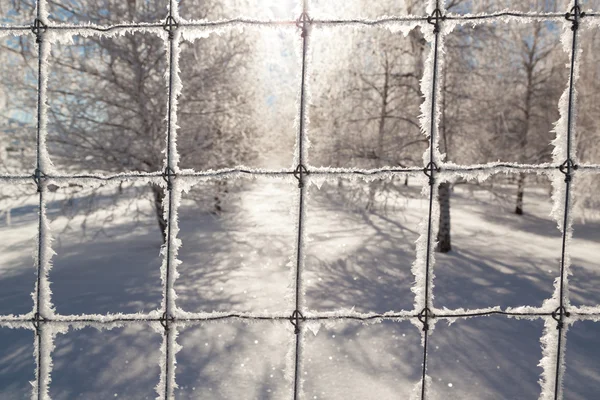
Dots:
pixel 500 90
pixel 377 95
pixel 108 98
pixel 587 132
pixel 454 103
pixel 18 94
pixel 537 85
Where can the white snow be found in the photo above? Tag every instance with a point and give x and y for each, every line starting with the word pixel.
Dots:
pixel 256 211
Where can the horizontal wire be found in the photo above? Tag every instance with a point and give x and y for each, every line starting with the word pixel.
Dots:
pixel 275 23
pixel 309 317
pixel 320 171
pixel 501 14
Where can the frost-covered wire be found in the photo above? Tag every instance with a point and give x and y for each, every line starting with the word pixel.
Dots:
pixel 300 173
pixel 556 312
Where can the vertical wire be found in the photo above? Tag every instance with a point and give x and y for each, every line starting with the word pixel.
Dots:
pixel 303 25
pixel 562 309
pixel 431 161
pixel 432 171
pixel 40 188
pixel 40 225
pixel 169 176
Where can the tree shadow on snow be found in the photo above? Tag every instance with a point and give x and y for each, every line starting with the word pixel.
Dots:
pixel 239 262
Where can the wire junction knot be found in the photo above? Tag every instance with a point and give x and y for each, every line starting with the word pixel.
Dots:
pixel 38 28
pixel 303 22
pixel 575 16
pixel 299 173
pixel 430 170
pixel 167 174
pixel 424 317
pixel 558 316
pixel 38 176
pixel 435 18
pixel 295 319
pixel 171 26
pixel 37 320
pixel 165 320
pixel 567 167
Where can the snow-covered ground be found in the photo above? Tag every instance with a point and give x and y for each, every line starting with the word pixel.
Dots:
pixel 355 258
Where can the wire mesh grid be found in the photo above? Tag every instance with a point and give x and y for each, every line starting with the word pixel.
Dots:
pixel 425 314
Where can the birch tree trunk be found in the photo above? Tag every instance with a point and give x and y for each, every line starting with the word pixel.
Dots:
pixel 380 134
pixel 220 192
pixel 443 236
pixel 159 197
pixel 520 192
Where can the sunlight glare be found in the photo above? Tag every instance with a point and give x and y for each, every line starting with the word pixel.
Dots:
pixel 279 9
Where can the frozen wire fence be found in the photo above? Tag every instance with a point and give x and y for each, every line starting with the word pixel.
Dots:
pixel 45 322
